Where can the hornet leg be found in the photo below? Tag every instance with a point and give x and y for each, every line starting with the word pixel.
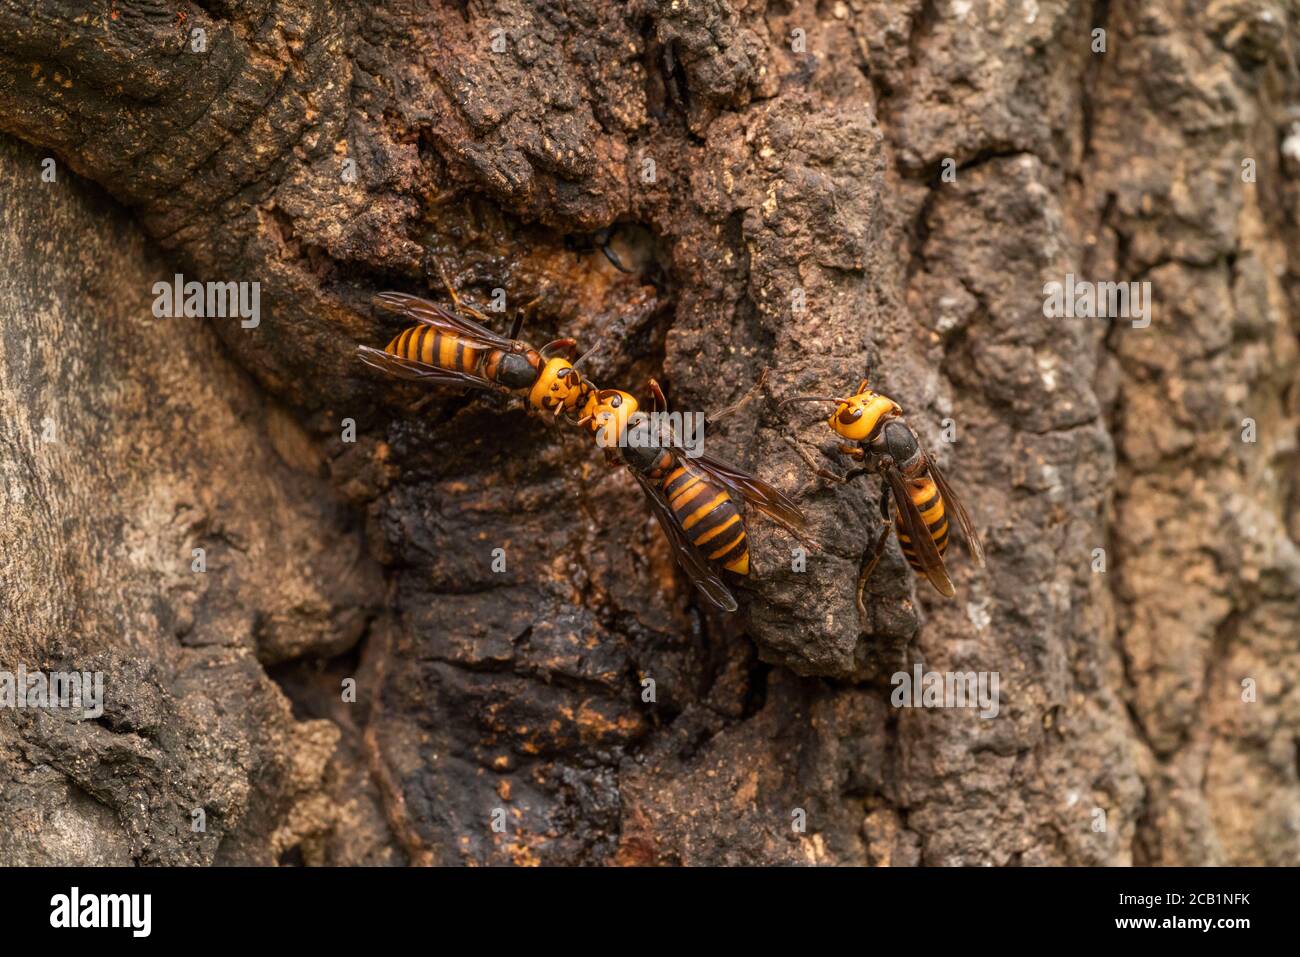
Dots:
pixel 420 403
pixel 871 557
pixel 713 417
pixel 451 290
pixel 657 399
pixel 612 256
pixel 456 302
pixel 808 460
pixel 520 314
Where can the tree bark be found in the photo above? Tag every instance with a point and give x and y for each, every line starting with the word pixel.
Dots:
pixel 795 187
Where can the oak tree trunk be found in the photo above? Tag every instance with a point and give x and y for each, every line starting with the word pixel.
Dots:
pixel 795 187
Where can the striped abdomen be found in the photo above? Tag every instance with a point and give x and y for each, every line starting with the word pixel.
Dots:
pixel 708 515
pixel 925 496
pixel 428 345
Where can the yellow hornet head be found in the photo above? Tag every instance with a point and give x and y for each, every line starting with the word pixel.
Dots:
pixel 559 387
pixel 849 418
pixel 857 416
pixel 606 414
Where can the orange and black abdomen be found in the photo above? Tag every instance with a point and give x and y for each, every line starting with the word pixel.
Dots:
pixel 434 348
pixel 925 496
pixel 708 515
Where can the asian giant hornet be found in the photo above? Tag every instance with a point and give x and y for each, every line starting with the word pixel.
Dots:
pixel 601 239
pixel 692 498
pixel 880 438
pixel 445 348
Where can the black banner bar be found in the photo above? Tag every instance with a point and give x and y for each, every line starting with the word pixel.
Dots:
pixel 334 906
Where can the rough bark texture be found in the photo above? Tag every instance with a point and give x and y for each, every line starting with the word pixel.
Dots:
pixel 752 152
